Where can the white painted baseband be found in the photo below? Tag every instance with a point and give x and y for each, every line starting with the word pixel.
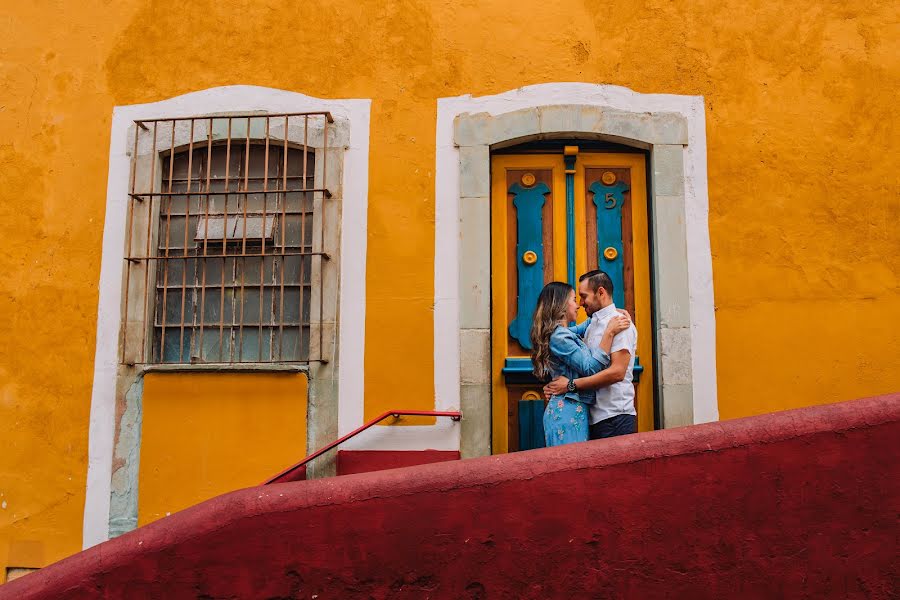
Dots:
pixel 447 234
pixel 353 262
pixel 444 435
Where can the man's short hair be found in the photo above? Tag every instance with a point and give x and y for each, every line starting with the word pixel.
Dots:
pixel 598 279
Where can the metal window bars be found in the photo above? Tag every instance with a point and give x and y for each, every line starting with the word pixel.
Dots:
pixel 225 242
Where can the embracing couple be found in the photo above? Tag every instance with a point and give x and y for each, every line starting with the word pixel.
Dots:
pixel 591 395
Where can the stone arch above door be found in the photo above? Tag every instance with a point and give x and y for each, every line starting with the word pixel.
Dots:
pixel 672 128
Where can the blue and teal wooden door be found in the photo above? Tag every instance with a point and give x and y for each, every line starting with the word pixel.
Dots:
pixel 553 217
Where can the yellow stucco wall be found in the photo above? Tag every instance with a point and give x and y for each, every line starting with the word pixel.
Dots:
pixel 801 121
pixel 205 434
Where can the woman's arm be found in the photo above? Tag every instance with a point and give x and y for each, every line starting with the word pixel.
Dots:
pixel 570 350
pixel 580 328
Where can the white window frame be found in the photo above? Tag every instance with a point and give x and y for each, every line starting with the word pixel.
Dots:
pixel 336 388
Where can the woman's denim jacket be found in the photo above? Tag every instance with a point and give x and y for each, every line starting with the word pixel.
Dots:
pixel 573 359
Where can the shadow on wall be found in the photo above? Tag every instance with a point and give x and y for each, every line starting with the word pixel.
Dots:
pixel 794 504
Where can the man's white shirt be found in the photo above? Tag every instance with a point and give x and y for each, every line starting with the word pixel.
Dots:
pixel 618 398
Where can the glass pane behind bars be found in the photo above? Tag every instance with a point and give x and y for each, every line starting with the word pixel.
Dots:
pixel 231 283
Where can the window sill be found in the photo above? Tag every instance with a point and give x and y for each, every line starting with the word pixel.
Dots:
pixel 228 368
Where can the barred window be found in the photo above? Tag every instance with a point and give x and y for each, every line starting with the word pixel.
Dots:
pixel 231 257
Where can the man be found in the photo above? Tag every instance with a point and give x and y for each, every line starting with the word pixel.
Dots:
pixel 613 413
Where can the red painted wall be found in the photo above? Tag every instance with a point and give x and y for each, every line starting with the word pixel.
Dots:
pixel 350 462
pixel 800 504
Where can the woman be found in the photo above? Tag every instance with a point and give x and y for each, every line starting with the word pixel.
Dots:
pixel 556 351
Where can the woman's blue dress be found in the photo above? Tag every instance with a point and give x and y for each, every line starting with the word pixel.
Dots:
pixel 566 417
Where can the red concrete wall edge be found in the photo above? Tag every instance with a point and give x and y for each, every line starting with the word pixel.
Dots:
pixel 797 504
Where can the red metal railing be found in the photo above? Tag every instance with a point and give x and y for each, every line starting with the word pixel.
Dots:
pixel 284 476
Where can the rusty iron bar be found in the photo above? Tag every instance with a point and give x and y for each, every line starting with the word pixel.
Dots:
pixel 135 259
pixel 325 191
pixel 284 198
pixel 187 226
pixel 128 233
pixel 270 286
pixel 262 261
pixel 205 236
pixel 325 113
pixel 225 365
pixel 303 200
pixel 162 342
pixel 244 245
pixel 224 251
pixel 150 219
pixel 322 241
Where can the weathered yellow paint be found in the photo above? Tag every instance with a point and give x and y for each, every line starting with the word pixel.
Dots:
pixel 801 121
pixel 205 434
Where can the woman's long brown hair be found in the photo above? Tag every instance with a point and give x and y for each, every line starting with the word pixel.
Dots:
pixel 551 309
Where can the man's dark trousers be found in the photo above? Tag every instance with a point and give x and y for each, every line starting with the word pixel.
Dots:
pixel 613 426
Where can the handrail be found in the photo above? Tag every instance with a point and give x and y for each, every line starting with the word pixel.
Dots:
pixel 454 415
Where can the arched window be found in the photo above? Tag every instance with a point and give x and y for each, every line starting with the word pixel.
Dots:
pixel 226 245
pixel 233 277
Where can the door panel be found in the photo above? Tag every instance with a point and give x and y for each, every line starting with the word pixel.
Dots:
pixel 510 177
pixel 621 180
pixel 529 249
pixel 525 417
pixel 529 214
pixel 608 211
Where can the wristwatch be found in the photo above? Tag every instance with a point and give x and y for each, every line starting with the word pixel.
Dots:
pixel 571 386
